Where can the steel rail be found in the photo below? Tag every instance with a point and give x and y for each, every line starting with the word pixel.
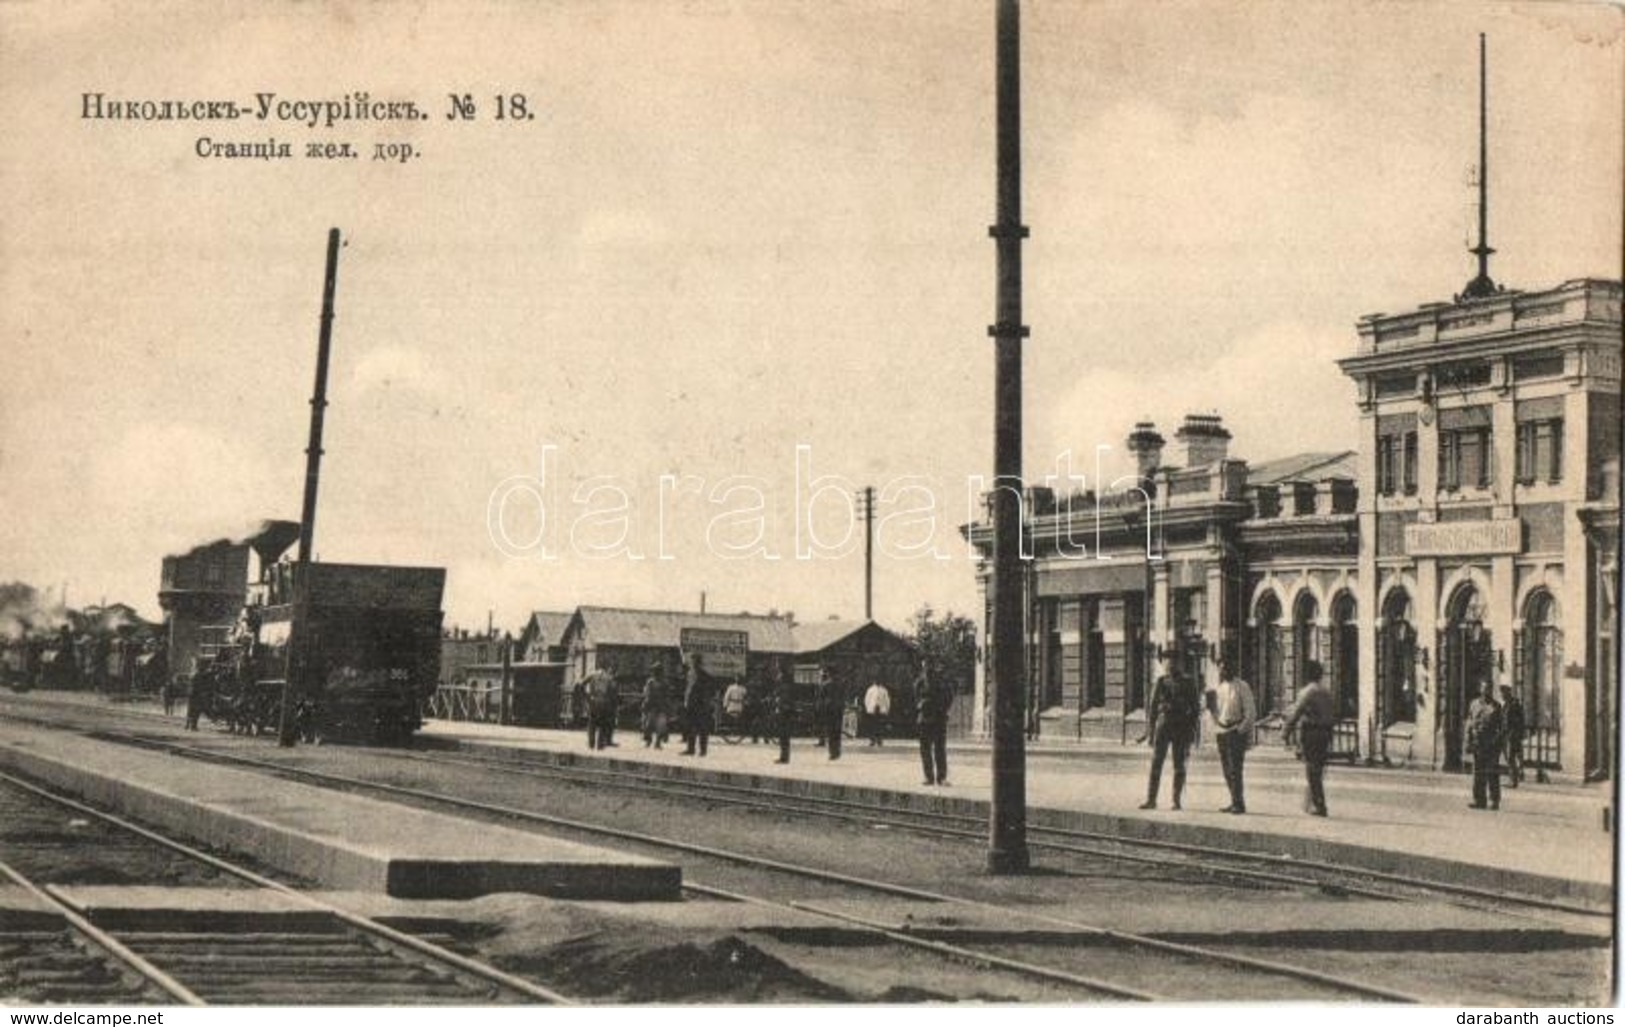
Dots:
pixel 111 945
pixel 1270 967
pixel 753 799
pixel 483 971
pixel 942 948
pixel 1494 901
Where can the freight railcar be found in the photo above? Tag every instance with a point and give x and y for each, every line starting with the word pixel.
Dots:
pixel 354 648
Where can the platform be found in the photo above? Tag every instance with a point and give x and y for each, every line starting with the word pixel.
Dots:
pixel 339 840
pixel 1550 840
pixel 1547 839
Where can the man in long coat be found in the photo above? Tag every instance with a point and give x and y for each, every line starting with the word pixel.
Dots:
pixel 699 700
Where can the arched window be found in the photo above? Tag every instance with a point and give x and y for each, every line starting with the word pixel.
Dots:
pixel 1396 661
pixel 1306 640
pixel 1268 654
pixel 1344 659
pixel 1466 659
pixel 1538 672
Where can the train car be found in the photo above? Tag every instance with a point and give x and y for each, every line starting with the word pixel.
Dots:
pixel 365 647
pixel 19 659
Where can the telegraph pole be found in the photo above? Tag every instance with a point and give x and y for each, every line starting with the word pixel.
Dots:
pixel 1007 817
pixel 869 552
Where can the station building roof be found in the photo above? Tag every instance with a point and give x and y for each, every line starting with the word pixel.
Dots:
pixel 1303 467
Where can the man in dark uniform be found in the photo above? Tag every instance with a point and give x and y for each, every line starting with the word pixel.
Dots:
pixel 831 711
pixel 699 696
pixel 1512 726
pixel 1175 706
pixel 782 695
pixel 603 704
pixel 931 702
pixel 1313 717
pixel 1484 727
pixel 578 708
pixel 199 696
pixel 653 707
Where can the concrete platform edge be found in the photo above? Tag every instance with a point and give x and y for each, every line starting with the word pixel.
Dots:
pixel 332 865
pixel 1382 860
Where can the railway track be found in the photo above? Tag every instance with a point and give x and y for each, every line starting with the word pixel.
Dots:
pixel 1009 948
pixel 1210 861
pixel 330 956
pixel 1030 938
pixel 1263 868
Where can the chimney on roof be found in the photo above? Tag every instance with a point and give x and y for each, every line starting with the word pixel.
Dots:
pixel 1204 439
pixel 1146 445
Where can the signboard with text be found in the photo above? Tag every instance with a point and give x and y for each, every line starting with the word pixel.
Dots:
pixel 722 653
pixel 1464 538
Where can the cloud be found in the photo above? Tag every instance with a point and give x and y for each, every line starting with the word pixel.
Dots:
pixel 1276 387
pixel 178 484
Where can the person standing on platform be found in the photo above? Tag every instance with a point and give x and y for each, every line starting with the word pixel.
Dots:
pixel 1312 718
pixel 578 708
pixel 653 707
pixel 876 708
pixel 1231 704
pixel 931 702
pixel 734 700
pixel 831 711
pixel 699 698
pixel 1484 741
pixel 1174 709
pixel 782 695
pixel 199 698
pixel 603 703
pixel 1512 725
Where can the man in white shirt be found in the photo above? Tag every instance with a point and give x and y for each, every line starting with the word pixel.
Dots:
pixel 1230 703
pixel 876 708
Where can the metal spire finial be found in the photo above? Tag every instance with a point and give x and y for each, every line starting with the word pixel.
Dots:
pixel 1482 286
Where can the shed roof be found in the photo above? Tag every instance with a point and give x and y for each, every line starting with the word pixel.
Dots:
pixel 608 625
pixel 820 635
pixel 547 626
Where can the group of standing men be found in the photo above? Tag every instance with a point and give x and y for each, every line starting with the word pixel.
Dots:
pixel 599 695
pixel 1175 710
pixel 1493 728
pixel 1174 716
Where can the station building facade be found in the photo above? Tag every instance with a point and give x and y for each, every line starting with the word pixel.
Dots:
pixel 1489 521
pixel 1472 533
pixel 1199 557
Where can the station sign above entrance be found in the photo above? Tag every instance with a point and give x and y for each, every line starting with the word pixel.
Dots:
pixel 1464 538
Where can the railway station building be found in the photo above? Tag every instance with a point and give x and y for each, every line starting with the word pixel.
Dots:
pixel 1489 524
pixel 1203 555
pixel 1471 533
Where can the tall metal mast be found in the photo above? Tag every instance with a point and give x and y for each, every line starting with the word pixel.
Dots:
pixel 293 683
pixel 318 402
pixel 1007 817
pixel 1482 286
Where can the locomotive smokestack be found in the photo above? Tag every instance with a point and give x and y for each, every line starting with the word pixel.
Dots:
pixel 318 402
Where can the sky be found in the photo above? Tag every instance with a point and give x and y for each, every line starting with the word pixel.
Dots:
pixel 640 346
